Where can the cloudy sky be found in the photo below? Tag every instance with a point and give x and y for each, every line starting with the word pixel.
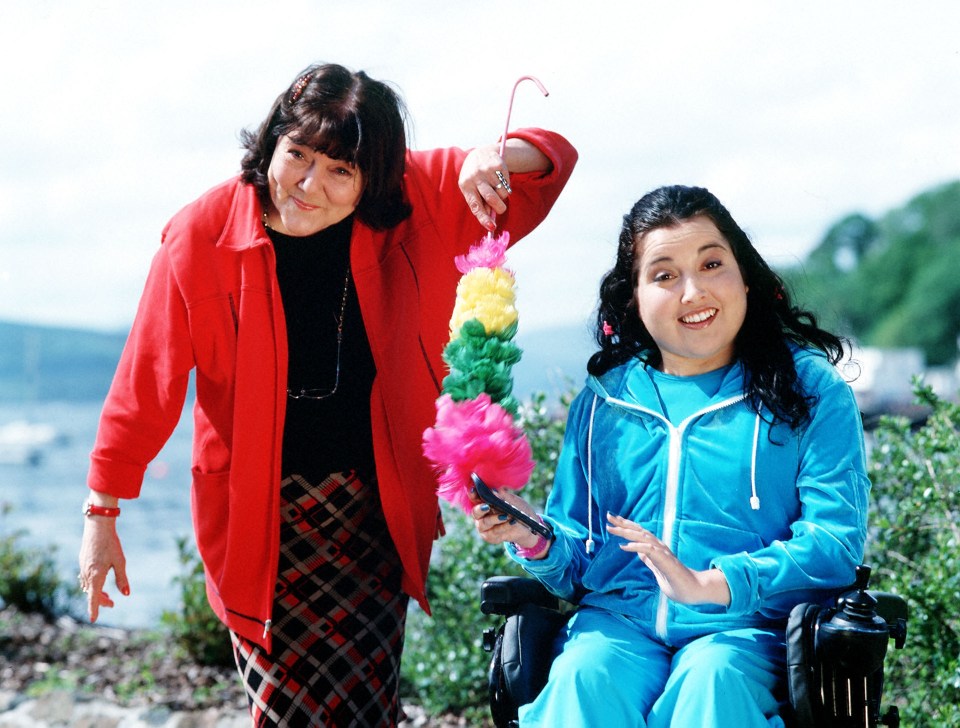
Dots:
pixel 115 114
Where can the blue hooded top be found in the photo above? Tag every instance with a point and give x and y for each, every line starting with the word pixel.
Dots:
pixel 781 512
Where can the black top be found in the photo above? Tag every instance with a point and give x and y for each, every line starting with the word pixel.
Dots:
pixel 329 435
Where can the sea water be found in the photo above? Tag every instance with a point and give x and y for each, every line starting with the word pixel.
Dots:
pixel 45 500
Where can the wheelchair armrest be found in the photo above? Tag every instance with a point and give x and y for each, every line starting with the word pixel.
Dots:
pixel 890 606
pixel 894 611
pixel 506 594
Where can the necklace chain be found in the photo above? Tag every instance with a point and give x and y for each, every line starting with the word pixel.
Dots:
pixel 305 393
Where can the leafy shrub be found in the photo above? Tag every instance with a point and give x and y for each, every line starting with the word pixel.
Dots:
pixel 914 548
pixel 195 628
pixel 28 575
pixel 444 665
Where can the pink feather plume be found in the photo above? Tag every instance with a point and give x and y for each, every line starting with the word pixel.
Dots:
pixel 476 436
pixel 490 252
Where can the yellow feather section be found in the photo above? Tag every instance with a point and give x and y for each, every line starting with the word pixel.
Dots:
pixel 487 295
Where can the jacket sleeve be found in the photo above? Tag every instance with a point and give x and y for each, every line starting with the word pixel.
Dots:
pixel 433 180
pixel 561 571
pixel 149 387
pixel 826 543
pixel 534 193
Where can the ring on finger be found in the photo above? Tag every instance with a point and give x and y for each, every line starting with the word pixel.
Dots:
pixel 503 181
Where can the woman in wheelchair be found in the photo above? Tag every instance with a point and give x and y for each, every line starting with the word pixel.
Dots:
pixel 712 477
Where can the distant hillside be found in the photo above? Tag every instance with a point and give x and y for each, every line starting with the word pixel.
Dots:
pixel 41 363
pixel 891 281
pixel 554 360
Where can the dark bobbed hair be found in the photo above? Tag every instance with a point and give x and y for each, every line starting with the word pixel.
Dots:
pixel 772 322
pixel 347 116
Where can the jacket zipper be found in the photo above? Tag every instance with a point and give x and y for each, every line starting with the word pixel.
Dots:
pixel 670 514
pixel 233 313
pixel 266 625
pixel 673 485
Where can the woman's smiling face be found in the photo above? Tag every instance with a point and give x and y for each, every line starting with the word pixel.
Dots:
pixel 691 295
pixel 309 191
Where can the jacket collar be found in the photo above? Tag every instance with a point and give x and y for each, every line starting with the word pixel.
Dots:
pixel 630 383
pixel 244 224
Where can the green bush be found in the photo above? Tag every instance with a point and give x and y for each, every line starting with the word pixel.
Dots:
pixel 28 575
pixel 444 666
pixel 195 628
pixel 914 548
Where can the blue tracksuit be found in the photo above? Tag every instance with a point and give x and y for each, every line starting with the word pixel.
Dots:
pixel 781 512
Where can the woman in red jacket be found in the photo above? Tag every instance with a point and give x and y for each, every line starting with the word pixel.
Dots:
pixel 311 297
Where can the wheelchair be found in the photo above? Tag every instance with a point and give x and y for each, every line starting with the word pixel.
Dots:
pixel 835 653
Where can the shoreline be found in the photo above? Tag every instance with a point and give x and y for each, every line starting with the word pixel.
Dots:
pixel 59 708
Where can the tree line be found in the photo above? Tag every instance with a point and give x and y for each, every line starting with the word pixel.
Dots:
pixel 893 281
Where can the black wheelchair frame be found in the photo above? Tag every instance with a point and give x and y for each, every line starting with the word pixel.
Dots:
pixel 835 654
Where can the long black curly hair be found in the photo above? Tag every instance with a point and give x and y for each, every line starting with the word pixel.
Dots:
pixel 772 322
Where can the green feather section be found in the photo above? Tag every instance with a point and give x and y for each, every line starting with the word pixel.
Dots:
pixel 481 362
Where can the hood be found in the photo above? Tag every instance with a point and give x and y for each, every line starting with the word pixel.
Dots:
pixel 629 384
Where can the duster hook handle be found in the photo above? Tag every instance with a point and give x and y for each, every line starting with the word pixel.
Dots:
pixel 506 127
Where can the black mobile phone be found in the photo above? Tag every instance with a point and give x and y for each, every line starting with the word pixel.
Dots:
pixel 487 495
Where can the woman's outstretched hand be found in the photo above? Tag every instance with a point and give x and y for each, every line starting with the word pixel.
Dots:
pixel 100 551
pixel 485 176
pixel 481 186
pixel 678 582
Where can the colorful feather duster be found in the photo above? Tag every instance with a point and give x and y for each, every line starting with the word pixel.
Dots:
pixel 476 429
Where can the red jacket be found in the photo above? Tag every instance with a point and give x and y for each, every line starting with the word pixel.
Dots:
pixel 211 303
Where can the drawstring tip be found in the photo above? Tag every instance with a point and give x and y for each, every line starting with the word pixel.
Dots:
pixel 589 545
pixel 755 503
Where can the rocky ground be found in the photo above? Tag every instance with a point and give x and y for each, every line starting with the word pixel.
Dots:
pixel 65 673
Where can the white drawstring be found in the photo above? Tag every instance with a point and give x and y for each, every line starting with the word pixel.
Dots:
pixel 589 544
pixel 754 500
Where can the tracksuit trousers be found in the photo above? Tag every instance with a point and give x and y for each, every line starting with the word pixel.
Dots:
pixel 612 670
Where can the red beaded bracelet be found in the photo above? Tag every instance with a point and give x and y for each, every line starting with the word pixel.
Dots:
pixel 90 509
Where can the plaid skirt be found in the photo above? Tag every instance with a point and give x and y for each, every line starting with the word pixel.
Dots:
pixel 338 613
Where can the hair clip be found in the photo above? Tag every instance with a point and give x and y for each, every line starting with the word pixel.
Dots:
pixel 778 293
pixel 299 86
pixel 607 329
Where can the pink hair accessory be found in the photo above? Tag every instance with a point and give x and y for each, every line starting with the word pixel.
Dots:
pixel 607 329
